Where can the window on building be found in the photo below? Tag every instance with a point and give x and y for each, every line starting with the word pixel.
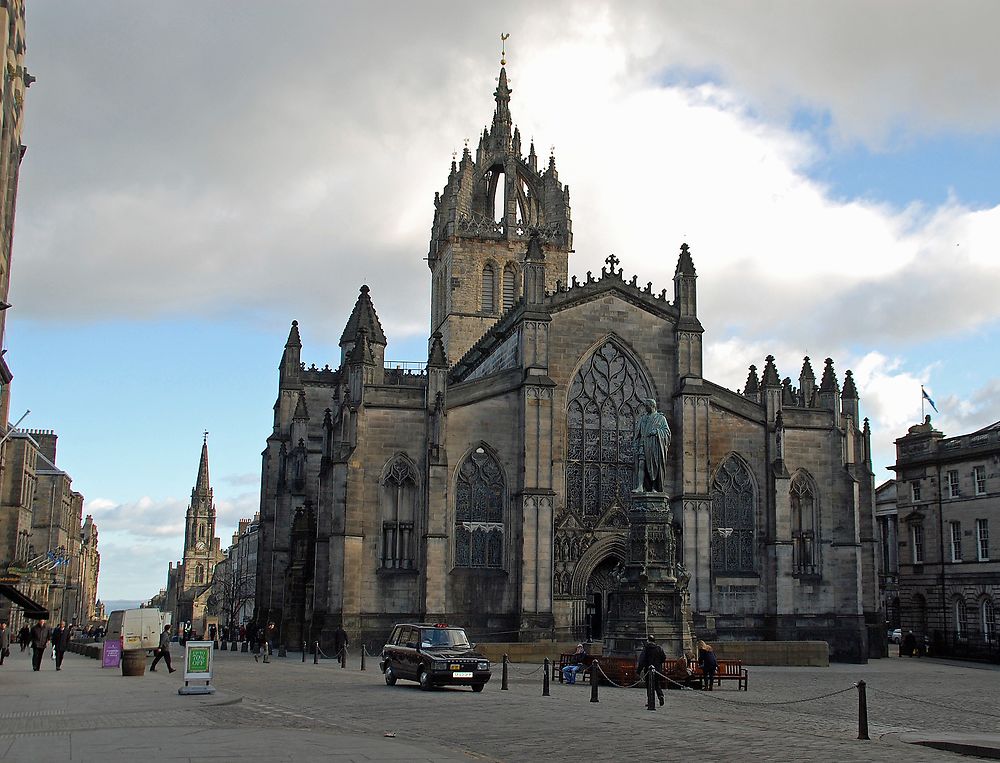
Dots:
pixel 979 477
pixel 488 300
pixel 199 574
pixel 956 541
pixel 961 618
pixel 988 618
pixel 983 539
pixel 509 287
pixel 398 503
pixel 951 484
pixel 201 531
pixel 604 400
pixel 804 524
pixel 480 500
pixel 734 504
pixel 915 490
pixel 917 536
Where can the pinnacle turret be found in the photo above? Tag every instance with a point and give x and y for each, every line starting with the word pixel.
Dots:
pixel 829 382
pixel 685 265
pixel 293 336
pixel 752 387
pixel 850 390
pixel 770 373
pixel 363 316
pixel 437 358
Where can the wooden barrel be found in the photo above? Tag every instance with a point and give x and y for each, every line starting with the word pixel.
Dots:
pixel 134 662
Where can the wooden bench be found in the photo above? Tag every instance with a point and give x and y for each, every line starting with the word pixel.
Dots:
pixel 571 658
pixel 732 670
pixel 621 670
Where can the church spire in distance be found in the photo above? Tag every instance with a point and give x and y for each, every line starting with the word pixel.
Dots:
pixel 202 486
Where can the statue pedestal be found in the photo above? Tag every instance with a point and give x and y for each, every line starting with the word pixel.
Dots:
pixel 652 598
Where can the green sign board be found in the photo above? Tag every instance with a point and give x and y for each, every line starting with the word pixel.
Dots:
pixel 198 661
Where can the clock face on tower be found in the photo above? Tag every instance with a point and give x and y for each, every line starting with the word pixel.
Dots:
pixel 199 546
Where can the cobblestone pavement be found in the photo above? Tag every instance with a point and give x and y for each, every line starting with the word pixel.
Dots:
pixel 293 710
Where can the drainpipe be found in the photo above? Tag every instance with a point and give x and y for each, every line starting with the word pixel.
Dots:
pixel 944 602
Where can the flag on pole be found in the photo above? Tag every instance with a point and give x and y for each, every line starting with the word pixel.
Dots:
pixel 928 398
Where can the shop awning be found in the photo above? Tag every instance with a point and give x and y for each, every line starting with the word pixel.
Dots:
pixel 31 608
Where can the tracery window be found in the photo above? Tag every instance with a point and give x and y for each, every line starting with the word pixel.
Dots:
pixel 805 525
pixel 961 618
pixel 489 285
pixel 480 499
pixel 398 502
pixel 604 400
pixel 509 287
pixel 989 619
pixel 734 504
pixel 199 574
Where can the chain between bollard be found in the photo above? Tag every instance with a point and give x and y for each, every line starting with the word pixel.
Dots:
pixel 503 676
pixel 545 678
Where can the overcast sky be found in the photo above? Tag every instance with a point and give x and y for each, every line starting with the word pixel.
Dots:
pixel 200 174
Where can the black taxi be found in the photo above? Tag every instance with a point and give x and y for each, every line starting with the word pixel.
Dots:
pixel 433 654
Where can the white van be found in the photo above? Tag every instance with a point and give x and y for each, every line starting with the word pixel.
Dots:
pixel 137 628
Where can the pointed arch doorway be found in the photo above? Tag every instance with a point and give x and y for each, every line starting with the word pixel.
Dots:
pixel 595 583
pixel 601 588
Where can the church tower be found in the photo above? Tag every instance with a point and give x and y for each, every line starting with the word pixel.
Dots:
pixel 482 222
pixel 200 553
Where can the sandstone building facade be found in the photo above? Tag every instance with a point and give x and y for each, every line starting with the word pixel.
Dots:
pixel 491 488
pixel 948 501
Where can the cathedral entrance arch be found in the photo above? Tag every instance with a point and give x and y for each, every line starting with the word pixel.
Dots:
pixel 595 582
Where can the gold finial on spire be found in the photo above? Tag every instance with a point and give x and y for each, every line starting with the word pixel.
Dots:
pixel 503 49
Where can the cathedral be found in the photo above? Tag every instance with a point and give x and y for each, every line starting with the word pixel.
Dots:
pixel 491 488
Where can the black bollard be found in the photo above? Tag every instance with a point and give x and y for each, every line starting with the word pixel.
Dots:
pixel 545 678
pixel 503 676
pixel 650 693
pixel 595 680
pixel 862 711
pixel 316 653
pixel 303 651
pixel 343 657
pixel 282 651
pixel 363 651
pixel 232 646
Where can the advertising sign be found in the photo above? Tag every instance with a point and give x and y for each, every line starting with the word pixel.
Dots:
pixel 111 653
pixel 198 667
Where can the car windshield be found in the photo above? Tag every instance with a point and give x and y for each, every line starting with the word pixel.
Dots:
pixel 443 637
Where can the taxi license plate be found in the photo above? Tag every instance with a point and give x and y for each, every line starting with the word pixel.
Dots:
pixel 466 674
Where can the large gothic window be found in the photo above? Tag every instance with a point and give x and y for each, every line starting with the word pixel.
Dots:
pixel 398 501
pixel 480 498
pixel 734 504
pixel 488 297
pixel 805 526
pixel 604 400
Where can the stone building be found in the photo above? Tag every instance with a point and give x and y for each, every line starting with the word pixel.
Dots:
pixel 189 580
pixel 948 490
pixel 491 487
pixel 44 543
pixel 887 520
pixel 234 582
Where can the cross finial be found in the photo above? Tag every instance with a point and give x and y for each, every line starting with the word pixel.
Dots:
pixel 612 261
pixel 206 435
pixel 503 48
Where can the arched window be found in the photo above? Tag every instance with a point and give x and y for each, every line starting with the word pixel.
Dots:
pixel 199 574
pixel 961 618
pixel 398 502
pixel 604 400
pixel 805 535
pixel 988 618
pixel 480 499
pixel 509 287
pixel 488 300
pixel 201 531
pixel 734 511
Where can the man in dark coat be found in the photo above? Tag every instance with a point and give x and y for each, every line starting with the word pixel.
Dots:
pixel 652 658
pixel 60 641
pixel 40 635
pixel 163 650
pixel 4 641
pixel 24 637
pixel 340 641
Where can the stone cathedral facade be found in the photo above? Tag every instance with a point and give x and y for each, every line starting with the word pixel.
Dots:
pixel 491 488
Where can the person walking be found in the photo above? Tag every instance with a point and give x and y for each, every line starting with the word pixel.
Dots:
pixel 340 642
pixel 709 664
pixel 60 642
pixel 24 637
pixel 163 651
pixel 4 642
pixel 40 635
pixel 652 658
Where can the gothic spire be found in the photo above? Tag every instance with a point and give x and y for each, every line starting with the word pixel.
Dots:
pixel 770 373
pixel 829 382
pixel 293 336
pixel 363 316
pixel 203 486
pixel 437 358
pixel 850 390
pixel 685 265
pixel 752 388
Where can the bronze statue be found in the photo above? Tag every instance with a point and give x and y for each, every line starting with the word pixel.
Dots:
pixel 652 438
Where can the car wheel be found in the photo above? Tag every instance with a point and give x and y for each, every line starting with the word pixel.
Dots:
pixel 425 680
pixel 390 677
pixel 477 687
